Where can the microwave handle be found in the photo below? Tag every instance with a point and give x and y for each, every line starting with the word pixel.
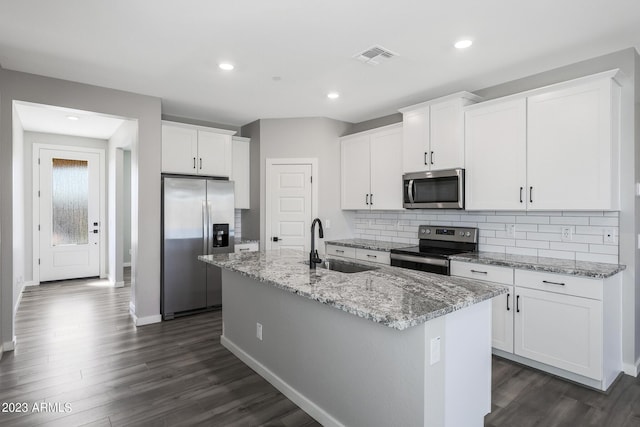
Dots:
pixel 410 191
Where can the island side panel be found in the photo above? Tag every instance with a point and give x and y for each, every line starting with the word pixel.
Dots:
pixel 342 369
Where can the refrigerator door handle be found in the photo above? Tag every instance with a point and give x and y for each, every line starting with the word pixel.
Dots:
pixel 205 227
pixel 210 235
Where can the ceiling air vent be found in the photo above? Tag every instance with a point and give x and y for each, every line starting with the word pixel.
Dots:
pixel 374 55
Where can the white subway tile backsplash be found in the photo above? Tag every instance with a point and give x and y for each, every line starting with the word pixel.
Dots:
pixel 536 233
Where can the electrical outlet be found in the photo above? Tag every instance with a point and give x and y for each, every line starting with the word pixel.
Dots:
pixel 511 230
pixel 259 331
pixel 435 350
pixel 609 235
pixel 566 234
pixel 327 223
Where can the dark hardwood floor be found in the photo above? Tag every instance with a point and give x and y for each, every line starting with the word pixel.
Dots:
pixel 77 345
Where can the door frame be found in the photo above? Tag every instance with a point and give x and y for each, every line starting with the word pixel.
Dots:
pixel 35 206
pixel 270 162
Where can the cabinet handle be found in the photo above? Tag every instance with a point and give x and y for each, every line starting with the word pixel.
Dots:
pixel 372 256
pixel 200 163
pixel 244 249
pixel 371 199
pixel 426 162
pixel 339 250
pixel 366 199
pixel 530 194
pixel 553 283
pixel 478 271
pixel 521 194
pixel 432 157
pixel 194 162
pixel 508 295
pixel 518 304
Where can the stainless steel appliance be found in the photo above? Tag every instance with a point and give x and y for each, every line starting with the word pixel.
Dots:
pixel 442 189
pixel 436 244
pixel 197 219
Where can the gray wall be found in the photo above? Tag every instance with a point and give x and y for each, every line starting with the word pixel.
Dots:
pixel 200 122
pixel 374 123
pixel 308 138
pixel 251 216
pixel 145 176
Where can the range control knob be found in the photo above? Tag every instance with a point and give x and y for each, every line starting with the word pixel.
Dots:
pixel 462 233
pixel 428 231
pixel 468 234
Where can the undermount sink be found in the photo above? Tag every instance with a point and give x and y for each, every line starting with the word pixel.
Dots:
pixel 343 266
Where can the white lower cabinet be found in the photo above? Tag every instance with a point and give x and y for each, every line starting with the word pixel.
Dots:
pixel 381 257
pixel 246 247
pixel 563 324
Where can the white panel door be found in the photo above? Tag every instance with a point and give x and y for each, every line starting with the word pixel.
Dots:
pixel 214 154
pixel 179 150
pixel 560 330
pixel 386 170
pixel 69 211
pixel 447 135
pixel 495 156
pixel 415 140
pixel 569 148
pixel 290 207
pixel 502 321
pixel 356 174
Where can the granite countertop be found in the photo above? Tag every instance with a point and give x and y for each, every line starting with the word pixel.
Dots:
pixel 376 245
pixel 393 296
pixel 596 270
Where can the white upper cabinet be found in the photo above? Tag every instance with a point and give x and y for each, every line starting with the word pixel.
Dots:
pixel 433 133
pixel 214 154
pixel 572 148
pixel 196 150
pixel 241 171
pixel 179 150
pixel 554 148
pixel 372 169
pixel 495 156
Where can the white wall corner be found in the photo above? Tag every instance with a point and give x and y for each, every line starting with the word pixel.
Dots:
pixel 132 309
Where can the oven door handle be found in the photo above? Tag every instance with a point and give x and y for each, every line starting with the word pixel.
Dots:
pixel 411 191
pixel 421 259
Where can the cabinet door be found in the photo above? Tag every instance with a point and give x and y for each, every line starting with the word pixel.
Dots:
pixel 355 175
pixel 495 156
pixel 240 172
pixel 386 170
pixel 447 135
pixel 179 150
pixel 415 140
pixel 569 151
pixel 214 154
pixel 560 330
pixel 502 321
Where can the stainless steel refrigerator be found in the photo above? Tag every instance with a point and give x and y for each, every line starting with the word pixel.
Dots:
pixel 197 219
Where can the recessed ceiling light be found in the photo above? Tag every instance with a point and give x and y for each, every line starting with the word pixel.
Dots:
pixel 74 118
pixel 333 95
pixel 226 66
pixel 463 44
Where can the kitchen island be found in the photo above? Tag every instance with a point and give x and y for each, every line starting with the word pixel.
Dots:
pixel 388 346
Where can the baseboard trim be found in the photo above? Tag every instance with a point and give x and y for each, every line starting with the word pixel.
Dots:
pixel 126 264
pixel 9 345
pixel 147 320
pixel 32 283
pixel 630 369
pixel 118 284
pixel 18 301
pixel 292 394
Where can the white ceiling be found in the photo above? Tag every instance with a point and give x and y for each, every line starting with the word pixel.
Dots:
pixel 171 49
pixel 48 119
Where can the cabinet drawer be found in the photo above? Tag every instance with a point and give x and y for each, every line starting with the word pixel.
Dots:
pixel 246 247
pixel 341 251
pixel 560 283
pixel 489 273
pixel 373 256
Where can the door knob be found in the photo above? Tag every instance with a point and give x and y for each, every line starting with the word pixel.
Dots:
pixel 275 239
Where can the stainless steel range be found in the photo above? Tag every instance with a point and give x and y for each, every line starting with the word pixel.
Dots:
pixel 437 243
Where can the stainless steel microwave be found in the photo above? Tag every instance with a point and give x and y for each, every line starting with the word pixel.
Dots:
pixel 442 189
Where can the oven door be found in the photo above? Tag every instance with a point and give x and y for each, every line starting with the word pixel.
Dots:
pixel 434 189
pixel 421 263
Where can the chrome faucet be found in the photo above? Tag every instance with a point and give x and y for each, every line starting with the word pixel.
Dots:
pixel 314 258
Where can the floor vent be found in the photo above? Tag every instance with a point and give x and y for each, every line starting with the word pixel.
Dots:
pixel 375 55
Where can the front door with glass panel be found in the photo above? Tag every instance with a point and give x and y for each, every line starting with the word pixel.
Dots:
pixel 69 185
